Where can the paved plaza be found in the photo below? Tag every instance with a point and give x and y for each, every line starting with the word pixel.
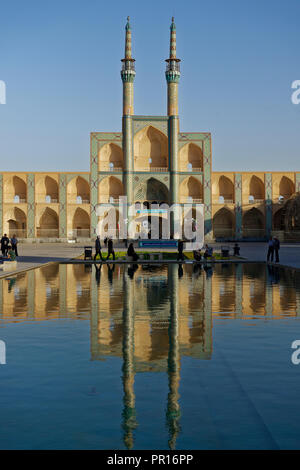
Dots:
pixel 36 255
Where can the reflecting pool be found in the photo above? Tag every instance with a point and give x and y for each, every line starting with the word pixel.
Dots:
pixel 161 357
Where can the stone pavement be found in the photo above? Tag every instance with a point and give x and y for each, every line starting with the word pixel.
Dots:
pixel 37 254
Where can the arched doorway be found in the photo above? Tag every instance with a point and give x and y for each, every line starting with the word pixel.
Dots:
pixel 15 223
pixel 150 150
pixel 110 190
pixel 226 190
pixel 110 158
pixel 223 224
pixel 191 158
pixel 253 224
pixel 78 191
pixel 191 190
pixel 48 224
pixel 256 189
pixel 46 190
pixel 81 223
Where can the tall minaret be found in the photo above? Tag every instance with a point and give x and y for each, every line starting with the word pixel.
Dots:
pixel 173 76
pixel 127 75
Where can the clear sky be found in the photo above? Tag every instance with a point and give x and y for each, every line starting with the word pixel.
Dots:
pixel 60 60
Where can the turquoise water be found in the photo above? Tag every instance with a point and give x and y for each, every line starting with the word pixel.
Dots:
pixel 155 358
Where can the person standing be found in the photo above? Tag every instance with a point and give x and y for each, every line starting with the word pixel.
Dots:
pixel 276 249
pixel 270 250
pixel 14 244
pixel 4 244
pixel 180 255
pixel 110 249
pixel 98 248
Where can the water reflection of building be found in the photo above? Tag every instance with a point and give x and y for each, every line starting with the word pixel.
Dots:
pixel 151 317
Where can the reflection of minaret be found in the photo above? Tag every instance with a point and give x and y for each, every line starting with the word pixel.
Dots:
pixel 129 413
pixel 173 409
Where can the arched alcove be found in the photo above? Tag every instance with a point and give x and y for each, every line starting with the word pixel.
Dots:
pixel 150 150
pixel 253 223
pixel 78 191
pixel 156 191
pixel 191 190
pixel 81 223
pixel 191 158
pixel 256 189
pixel 46 190
pixel 223 223
pixel 278 219
pixel 14 189
pixel 286 187
pixel 15 222
pixel 110 190
pixel 110 157
pixel 226 189
pixel 48 224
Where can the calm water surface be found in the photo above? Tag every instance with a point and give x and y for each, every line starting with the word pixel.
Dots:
pixel 150 358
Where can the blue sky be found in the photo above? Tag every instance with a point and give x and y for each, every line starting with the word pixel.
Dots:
pixel 61 64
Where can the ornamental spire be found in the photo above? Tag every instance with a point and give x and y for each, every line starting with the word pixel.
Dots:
pixel 128 40
pixel 173 39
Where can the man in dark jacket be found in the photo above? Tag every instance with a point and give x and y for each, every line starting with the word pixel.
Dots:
pixel 4 244
pixel 276 249
pixel 180 255
pixel 98 248
pixel 110 249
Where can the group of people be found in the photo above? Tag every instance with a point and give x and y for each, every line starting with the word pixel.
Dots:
pixel 110 249
pixel 273 248
pixel 9 245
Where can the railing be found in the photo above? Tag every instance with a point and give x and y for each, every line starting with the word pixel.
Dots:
pixel 256 201
pixel 173 65
pixel 46 199
pixel 109 199
pixel 19 233
pixel 128 65
pixel 225 201
pixel 47 232
pixel 108 168
pixel 190 170
pixel 79 233
pixel 220 232
pixel 253 233
pixel 14 201
pixel 152 168
pixel 190 200
pixel 82 201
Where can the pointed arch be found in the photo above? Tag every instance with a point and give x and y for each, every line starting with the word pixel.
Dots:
pixel 156 191
pixel 150 149
pixel 48 224
pixel 223 223
pixel 15 222
pixel 81 223
pixel 15 189
pixel 191 190
pixel 110 157
pixel 278 219
pixel 191 157
pixel 78 187
pixel 226 189
pixel 253 223
pixel 47 189
pixel 256 188
pixel 110 189
pixel 286 187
